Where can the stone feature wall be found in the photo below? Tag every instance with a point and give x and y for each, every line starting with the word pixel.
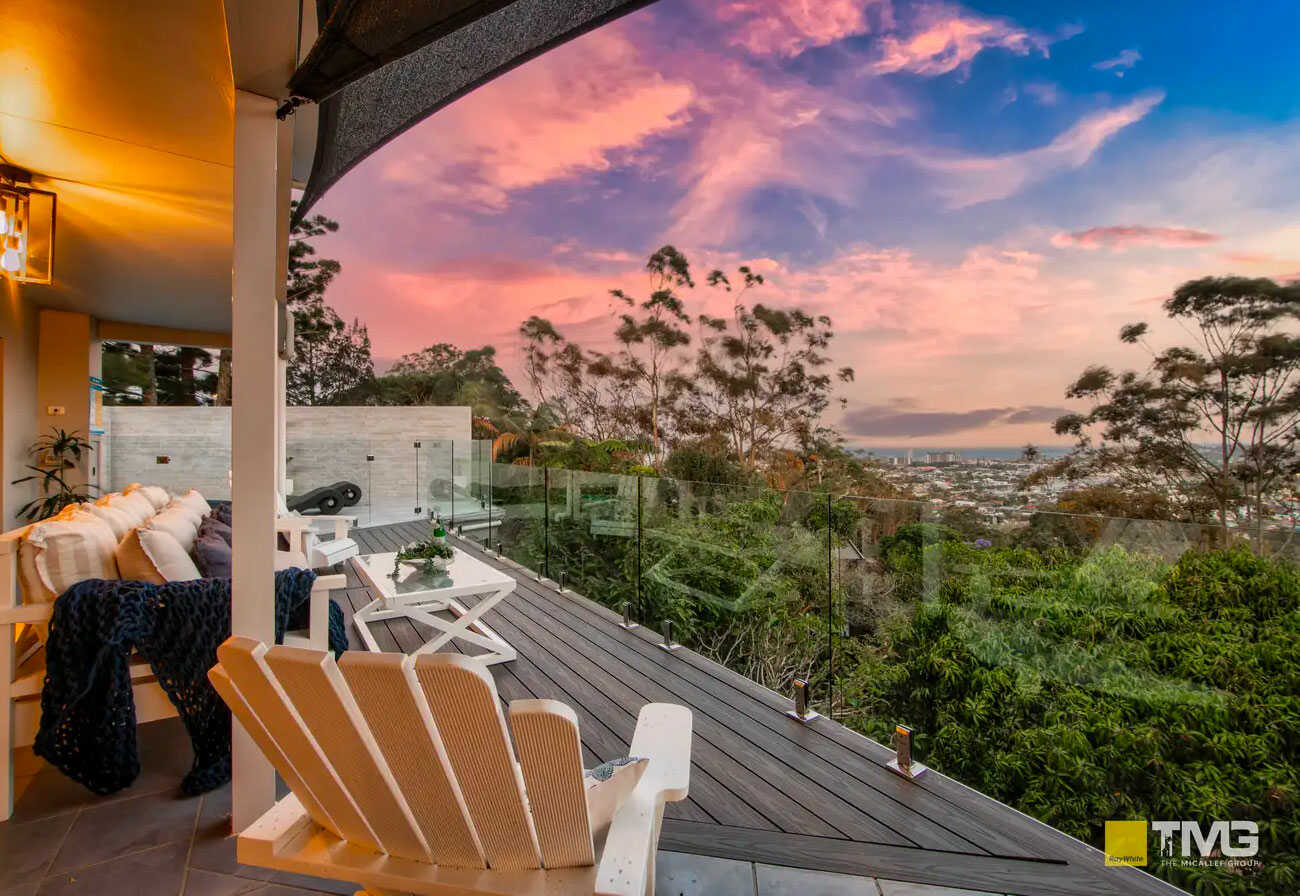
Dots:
pixel 180 448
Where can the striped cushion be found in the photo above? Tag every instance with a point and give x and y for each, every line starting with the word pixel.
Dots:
pixel 177 521
pixel 118 520
pixel 608 786
pixel 29 580
pixel 72 549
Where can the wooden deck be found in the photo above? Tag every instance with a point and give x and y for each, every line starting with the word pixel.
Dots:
pixel 764 787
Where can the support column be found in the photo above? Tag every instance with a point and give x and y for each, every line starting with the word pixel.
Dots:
pixel 261 190
pixel 284 207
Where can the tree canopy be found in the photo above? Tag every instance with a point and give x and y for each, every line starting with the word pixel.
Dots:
pixel 330 356
pixel 1213 423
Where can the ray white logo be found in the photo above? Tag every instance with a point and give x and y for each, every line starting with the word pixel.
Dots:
pixel 1220 843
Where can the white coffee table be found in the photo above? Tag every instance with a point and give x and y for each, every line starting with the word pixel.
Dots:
pixel 415 594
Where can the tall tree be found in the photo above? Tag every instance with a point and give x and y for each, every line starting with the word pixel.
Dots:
pixel 589 394
pixel 651 336
pixel 330 356
pixel 764 378
pixel 1235 387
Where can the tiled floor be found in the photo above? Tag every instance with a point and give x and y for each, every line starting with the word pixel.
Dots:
pixel 149 840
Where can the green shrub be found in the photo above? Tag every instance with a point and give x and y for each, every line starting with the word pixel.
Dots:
pixel 1115 686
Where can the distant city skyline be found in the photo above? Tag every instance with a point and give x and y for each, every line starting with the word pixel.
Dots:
pixel 978 194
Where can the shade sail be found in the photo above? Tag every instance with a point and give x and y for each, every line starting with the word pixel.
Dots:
pixel 382 66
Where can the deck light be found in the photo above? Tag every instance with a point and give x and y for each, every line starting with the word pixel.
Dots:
pixel 801 710
pixel 902 763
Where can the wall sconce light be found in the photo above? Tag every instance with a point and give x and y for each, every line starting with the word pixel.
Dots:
pixel 26 228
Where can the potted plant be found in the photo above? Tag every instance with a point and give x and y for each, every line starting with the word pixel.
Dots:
pixel 54 455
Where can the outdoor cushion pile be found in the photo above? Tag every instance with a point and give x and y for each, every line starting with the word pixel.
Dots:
pixel 140 534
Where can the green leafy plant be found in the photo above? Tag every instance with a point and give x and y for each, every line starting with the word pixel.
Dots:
pixel 54 455
pixel 429 552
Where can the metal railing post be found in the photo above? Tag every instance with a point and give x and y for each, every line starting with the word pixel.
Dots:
pixel 627 616
pixel 546 521
pixel 418 507
pixel 668 643
pixel 640 602
pixel 830 611
pixel 451 477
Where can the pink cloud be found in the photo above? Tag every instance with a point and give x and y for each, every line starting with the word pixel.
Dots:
pixel 1119 237
pixel 946 38
pixel 582 108
pixel 973 179
pixel 788 27
pixel 761 131
pixel 1260 258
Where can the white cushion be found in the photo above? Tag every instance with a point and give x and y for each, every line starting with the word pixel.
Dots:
pixel 156 496
pixel 195 501
pixel 118 520
pixel 135 506
pixel 152 555
pixel 70 549
pixel 179 522
pixel 607 786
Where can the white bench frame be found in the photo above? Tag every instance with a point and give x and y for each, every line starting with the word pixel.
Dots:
pixel 20 687
pixel 317 541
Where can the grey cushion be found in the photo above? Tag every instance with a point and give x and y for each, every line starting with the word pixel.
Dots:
pixel 212 556
pixel 213 526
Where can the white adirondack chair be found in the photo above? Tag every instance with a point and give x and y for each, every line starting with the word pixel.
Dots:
pixel 315 541
pixel 403 778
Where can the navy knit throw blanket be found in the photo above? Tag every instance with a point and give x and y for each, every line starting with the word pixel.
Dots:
pixel 87 711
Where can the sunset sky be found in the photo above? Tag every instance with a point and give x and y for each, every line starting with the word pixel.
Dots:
pixel 977 194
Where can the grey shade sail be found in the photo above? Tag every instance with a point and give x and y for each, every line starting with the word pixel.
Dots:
pixel 435 54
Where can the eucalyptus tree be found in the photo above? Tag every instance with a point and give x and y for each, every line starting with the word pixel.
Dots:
pixel 764 378
pixel 651 337
pixel 1216 421
pixel 586 393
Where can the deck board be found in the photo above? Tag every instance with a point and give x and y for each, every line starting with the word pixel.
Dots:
pixel 764 787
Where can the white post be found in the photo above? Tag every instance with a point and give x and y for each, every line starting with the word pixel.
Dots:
pixel 281 427
pixel 261 188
